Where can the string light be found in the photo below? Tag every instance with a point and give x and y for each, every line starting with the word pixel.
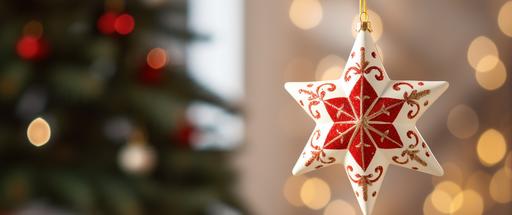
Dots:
pixel 38 132
pixel 306 14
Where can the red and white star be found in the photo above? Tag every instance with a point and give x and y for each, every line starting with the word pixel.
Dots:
pixel 366 121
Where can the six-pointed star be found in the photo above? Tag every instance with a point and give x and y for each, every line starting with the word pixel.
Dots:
pixel 366 121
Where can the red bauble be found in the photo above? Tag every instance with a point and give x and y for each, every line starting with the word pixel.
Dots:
pixel 124 24
pixel 31 48
pixel 106 23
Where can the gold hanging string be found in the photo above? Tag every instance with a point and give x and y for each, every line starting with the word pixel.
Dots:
pixel 363 11
pixel 363 17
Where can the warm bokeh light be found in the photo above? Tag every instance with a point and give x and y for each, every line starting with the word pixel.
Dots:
pixel 443 197
pixel 315 193
pixel 500 187
pixel 137 158
pixel 156 58
pixel 38 132
pixel 124 24
pixel 480 48
pixel 329 68
pixel 449 187
pixel 291 189
pixel 491 147
pixel 487 63
pixel 462 121
pixel 452 172
pixel 492 79
pixel 470 202
pixel 339 206
pixel 441 201
pixel 33 28
pixel 306 14
pixel 505 18
pixel 428 207
pixel 376 22
pixel 479 182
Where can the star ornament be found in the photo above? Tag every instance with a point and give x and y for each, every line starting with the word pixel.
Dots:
pixel 366 121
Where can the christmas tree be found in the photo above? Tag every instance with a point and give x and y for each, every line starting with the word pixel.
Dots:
pixel 115 99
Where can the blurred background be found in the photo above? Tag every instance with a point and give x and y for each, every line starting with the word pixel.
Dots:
pixel 178 107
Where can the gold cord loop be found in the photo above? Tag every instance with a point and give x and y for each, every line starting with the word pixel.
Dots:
pixel 363 17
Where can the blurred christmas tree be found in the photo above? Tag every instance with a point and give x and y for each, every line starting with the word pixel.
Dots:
pixel 116 106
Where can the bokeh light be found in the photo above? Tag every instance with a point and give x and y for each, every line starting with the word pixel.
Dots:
pixel 306 14
pixel 156 58
pixel 487 63
pixel 376 23
pixel 491 147
pixel 38 132
pixel 137 158
pixel 291 189
pixel 428 207
pixel 339 206
pixel 106 22
pixel 479 182
pixel 28 47
pixel 315 193
pixel 505 18
pixel 329 68
pixel 479 49
pixel 500 187
pixel 124 24
pixel 443 197
pixel 470 202
pixel 492 79
pixel 462 121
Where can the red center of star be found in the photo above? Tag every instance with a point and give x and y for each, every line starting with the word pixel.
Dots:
pixel 363 122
